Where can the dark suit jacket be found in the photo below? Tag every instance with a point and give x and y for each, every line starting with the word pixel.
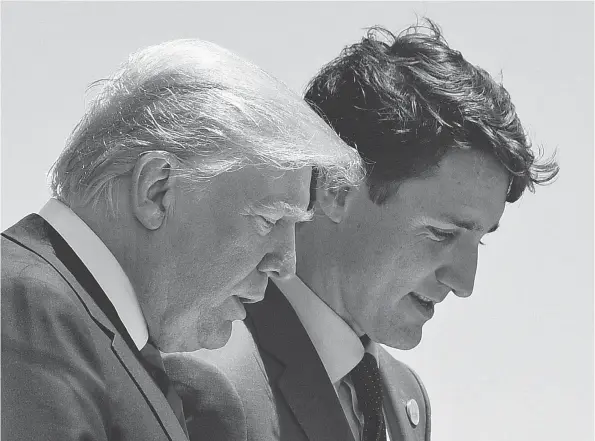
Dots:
pixel 70 371
pixel 285 389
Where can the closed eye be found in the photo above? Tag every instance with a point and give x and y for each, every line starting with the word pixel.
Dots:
pixel 444 235
pixel 439 235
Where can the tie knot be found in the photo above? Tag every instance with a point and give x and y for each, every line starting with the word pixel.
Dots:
pixel 152 355
pixel 154 365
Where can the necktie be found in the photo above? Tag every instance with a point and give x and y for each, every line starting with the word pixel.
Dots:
pixel 368 388
pixel 154 366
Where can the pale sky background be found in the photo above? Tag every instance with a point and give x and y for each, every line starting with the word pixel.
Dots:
pixel 512 362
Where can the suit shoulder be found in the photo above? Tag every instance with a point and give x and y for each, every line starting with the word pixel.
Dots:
pixel 31 285
pixel 41 312
pixel 25 274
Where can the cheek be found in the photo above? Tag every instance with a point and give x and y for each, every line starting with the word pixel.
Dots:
pixel 238 239
pixel 381 279
pixel 242 257
pixel 413 260
pixel 204 313
pixel 226 251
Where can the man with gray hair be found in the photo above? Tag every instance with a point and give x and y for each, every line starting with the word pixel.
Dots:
pixel 175 198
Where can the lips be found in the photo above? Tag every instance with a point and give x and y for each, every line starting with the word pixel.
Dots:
pixel 423 304
pixel 423 298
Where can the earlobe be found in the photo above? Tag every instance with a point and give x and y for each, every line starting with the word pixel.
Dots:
pixel 151 188
pixel 334 201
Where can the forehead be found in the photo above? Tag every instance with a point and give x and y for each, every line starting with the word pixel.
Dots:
pixel 466 183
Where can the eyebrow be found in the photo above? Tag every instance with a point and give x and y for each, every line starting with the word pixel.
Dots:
pixel 464 224
pixel 291 211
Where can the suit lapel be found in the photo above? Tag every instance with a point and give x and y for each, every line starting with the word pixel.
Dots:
pixel 304 382
pixel 397 391
pixel 35 234
pixel 157 401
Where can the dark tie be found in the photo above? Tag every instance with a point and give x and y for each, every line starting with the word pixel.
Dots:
pixel 368 388
pixel 154 365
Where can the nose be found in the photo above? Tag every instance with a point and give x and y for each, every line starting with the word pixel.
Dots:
pixel 279 263
pixel 459 273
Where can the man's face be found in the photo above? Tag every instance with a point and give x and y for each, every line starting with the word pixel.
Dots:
pixel 399 259
pixel 222 242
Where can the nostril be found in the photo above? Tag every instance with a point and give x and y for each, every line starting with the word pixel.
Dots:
pixel 282 275
pixel 274 274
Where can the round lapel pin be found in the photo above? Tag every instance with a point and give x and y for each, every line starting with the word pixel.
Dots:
pixel 413 412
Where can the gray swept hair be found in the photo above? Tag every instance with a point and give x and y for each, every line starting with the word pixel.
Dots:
pixel 195 99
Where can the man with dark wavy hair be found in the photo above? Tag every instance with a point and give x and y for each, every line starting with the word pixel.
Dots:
pixel 444 151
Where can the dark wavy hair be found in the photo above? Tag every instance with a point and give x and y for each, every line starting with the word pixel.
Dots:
pixel 403 101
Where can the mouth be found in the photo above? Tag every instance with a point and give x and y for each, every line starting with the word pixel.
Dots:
pixel 423 299
pixel 424 304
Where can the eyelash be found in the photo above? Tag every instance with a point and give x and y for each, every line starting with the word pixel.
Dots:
pixel 441 235
pixel 445 235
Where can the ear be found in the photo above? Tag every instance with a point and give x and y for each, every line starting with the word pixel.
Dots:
pixel 152 187
pixel 334 201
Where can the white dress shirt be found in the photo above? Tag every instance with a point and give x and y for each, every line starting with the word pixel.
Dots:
pixel 102 264
pixel 337 345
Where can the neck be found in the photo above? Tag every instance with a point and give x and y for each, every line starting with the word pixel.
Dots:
pixel 121 236
pixel 317 265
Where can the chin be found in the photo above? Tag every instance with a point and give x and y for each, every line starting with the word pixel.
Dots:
pixel 407 344
pixel 403 339
pixel 198 340
pixel 179 345
pixel 219 338
pixel 167 347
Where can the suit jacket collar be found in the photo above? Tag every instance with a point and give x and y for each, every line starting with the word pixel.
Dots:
pixel 303 381
pixel 337 345
pixel 101 263
pixel 35 234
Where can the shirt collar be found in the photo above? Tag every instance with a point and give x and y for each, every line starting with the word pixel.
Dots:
pixel 103 266
pixel 337 345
